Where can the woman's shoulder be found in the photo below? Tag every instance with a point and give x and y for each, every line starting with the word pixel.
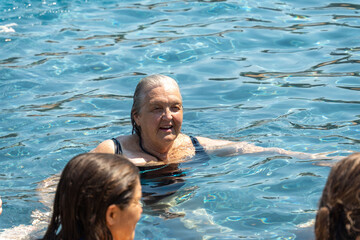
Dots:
pixel 108 146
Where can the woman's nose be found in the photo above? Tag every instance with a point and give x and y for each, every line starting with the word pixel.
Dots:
pixel 167 114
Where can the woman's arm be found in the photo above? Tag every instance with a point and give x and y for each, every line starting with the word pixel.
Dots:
pixel 228 148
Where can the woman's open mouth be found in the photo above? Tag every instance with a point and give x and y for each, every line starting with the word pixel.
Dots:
pixel 166 128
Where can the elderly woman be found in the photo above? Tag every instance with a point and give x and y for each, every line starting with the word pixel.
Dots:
pixel 156 117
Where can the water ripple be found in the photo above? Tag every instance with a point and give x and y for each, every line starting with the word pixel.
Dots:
pixel 350 88
pixel 10 60
pixel 348 6
pixel 59 104
pixel 327 126
pixel 312 74
pixel 276 73
pixel 11 135
pixel 30 65
pixel 322 99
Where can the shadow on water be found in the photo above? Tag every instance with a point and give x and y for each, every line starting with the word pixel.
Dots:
pixel 159 183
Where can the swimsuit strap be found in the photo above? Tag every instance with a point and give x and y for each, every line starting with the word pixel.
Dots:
pixel 117 145
pixel 144 150
pixel 194 140
pixel 198 147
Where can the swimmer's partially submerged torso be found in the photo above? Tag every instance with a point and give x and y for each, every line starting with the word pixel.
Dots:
pixel 159 179
pixel 184 149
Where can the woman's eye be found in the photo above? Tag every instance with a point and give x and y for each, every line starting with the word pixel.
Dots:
pixel 157 109
pixel 176 108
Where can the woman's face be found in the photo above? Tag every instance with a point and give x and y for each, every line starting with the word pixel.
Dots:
pixel 126 219
pixel 161 115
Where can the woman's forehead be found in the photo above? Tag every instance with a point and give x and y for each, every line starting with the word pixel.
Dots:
pixel 158 96
pixel 162 91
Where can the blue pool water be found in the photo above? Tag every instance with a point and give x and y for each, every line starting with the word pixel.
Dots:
pixel 275 73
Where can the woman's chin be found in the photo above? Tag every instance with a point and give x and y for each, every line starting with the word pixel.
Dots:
pixel 169 137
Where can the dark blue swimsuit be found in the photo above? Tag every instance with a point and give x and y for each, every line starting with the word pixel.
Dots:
pixel 158 182
pixel 198 148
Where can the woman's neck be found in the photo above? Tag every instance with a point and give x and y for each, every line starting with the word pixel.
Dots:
pixel 160 153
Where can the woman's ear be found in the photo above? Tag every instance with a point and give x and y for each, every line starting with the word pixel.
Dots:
pixel 136 118
pixel 112 215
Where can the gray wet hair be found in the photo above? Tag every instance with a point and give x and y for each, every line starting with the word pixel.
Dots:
pixel 144 85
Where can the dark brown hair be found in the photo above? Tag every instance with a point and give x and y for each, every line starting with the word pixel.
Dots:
pixel 88 185
pixel 144 85
pixel 338 216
